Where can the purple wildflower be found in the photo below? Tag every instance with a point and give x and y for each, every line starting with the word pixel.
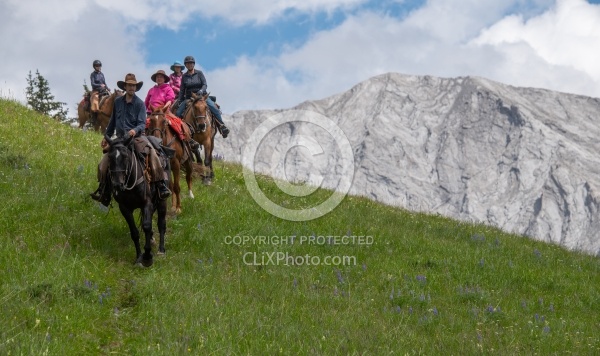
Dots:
pixel 338 274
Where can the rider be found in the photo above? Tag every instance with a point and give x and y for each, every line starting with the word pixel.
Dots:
pixel 161 95
pixel 98 88
pixel 129 119
pixel 175 77
pixel 193 81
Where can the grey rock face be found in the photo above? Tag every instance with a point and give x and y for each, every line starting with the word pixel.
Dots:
pixel 521 159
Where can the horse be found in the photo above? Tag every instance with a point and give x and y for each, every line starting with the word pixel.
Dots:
pixel 198 115
pixel 131 190
pixel 83 111
pixel 106 107
pixel 158 126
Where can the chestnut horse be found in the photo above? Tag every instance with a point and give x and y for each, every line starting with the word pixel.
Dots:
pixel 198 115
pixel 106 107
pixel 132 191
pixel 158 126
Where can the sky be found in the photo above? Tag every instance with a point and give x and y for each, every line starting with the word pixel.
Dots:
pixel 274 54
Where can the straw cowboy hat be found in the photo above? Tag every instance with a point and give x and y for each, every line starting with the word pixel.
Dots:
pixel 160 72
pixel 130 79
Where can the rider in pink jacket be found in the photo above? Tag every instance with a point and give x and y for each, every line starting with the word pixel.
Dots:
pixel 161 93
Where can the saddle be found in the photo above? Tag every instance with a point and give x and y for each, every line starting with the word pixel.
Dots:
pixel 157 144
pixel 103 96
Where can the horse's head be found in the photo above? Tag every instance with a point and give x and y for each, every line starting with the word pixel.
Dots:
pixel 120 161
pixel 199 110
pixel 157 122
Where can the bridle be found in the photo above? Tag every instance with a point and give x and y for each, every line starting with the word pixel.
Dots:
pixel 163 130
pixel 203 117
pixel 129 170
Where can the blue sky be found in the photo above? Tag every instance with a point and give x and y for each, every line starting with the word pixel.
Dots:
pixel 217 43
pixel 279 53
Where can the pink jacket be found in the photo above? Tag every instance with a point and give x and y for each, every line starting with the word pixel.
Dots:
pixel 158 96
pixel 175 82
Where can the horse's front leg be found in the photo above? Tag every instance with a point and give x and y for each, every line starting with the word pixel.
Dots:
pixel 188 176
pixel 162 225
pixel 208 171
pixel 146 259
pixel 133 230
pixel 176 198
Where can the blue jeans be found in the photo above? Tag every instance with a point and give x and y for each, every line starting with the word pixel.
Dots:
pixel 211 105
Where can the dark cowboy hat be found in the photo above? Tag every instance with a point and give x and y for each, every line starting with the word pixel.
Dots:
pixel 177 64
pixel 130 79
pixel 160 72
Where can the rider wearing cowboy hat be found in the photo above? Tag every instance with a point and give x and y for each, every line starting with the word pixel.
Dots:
pixel 128 119
pixel 161 95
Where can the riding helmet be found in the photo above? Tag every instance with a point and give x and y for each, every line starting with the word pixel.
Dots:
pixel 189 59
pixel 97 63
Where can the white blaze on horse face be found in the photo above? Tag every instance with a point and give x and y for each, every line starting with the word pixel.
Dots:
pixel 118 154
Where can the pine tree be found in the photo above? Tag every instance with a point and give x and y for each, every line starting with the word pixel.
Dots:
pixel 41 100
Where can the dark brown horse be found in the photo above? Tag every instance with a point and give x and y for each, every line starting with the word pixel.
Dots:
pixel 132 191
pixel 198 115
pixel 106 107
pixel 158 126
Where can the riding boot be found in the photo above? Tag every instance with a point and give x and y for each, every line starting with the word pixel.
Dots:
pixel 102 194
pixel 163 191
pixel 193 144
pixel 224 131
pixel 222 128
pixel 94 117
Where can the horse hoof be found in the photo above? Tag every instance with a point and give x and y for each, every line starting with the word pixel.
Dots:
pixel 207 182
pixel 191 195
pixel 147 263
pixel 161 254
pixel 153 242
pixel 178 211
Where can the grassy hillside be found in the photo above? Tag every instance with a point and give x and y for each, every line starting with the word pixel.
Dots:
pixel 425 284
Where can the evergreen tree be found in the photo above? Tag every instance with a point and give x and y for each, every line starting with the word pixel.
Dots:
pixel 41 100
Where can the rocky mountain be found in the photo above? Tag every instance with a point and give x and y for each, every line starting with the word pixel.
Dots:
pixel 521 159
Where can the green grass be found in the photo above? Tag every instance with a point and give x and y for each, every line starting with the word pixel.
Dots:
pixel 426 284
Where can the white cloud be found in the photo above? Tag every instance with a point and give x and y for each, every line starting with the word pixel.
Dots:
pixel 555 48
pixel 536 43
